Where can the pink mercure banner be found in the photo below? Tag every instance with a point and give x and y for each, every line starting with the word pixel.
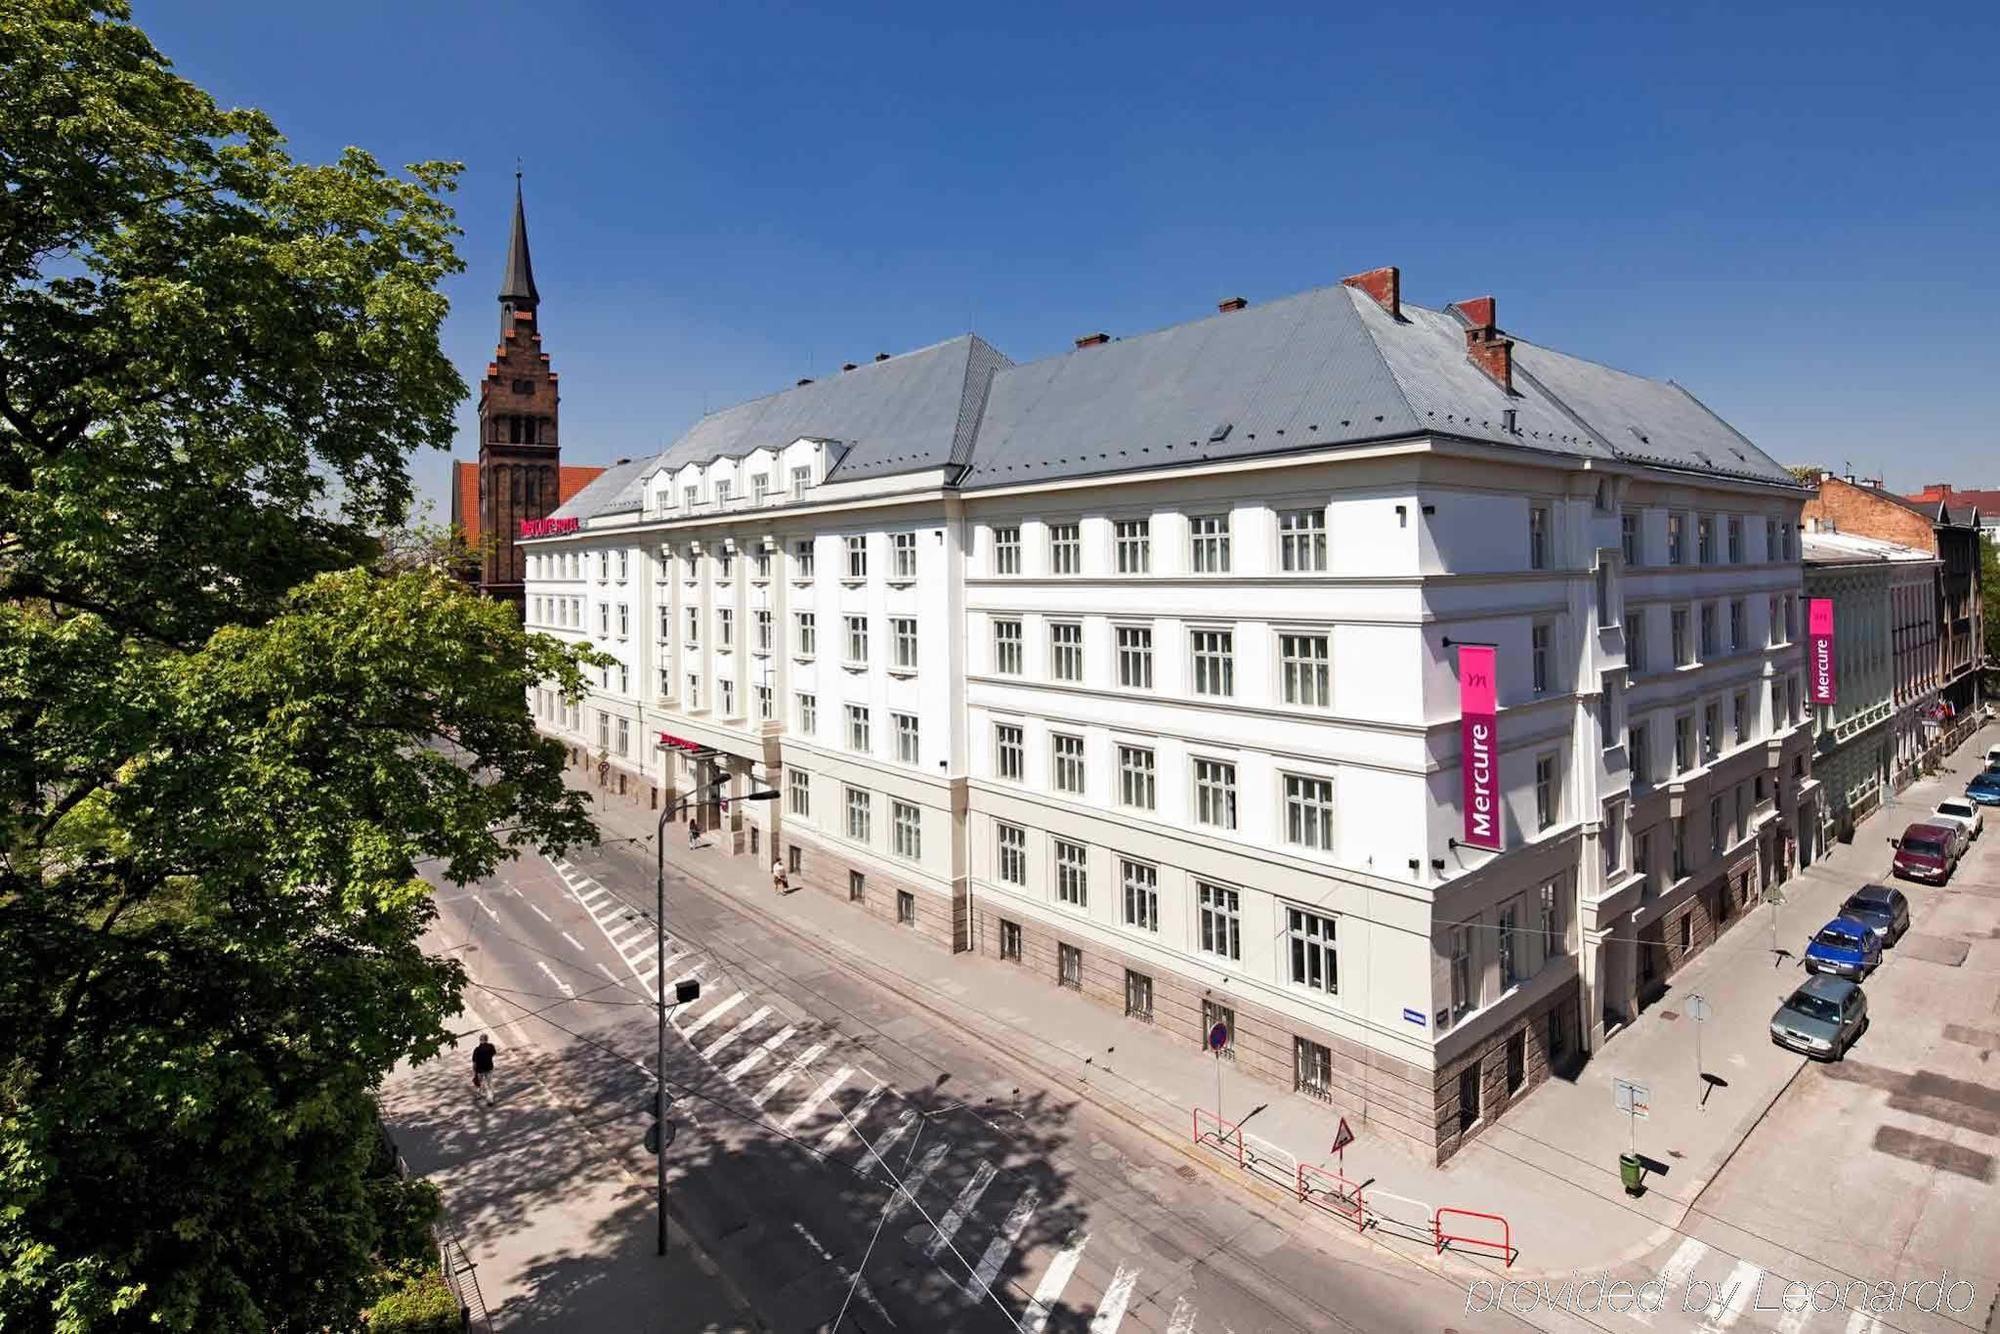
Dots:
pixel 1821 687
pixel 1479 745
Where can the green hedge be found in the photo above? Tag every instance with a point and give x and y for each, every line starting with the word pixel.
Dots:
pixel 424 1305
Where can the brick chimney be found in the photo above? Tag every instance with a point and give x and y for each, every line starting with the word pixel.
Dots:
pixel 1936 491
pixel 1385 285
pixel 1093 340
pixel 1484 345
pixel 1228 304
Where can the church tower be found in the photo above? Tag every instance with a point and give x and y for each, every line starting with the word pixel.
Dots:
pixel 519 458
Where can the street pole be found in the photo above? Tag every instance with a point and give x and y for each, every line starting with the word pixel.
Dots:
pixel 660 1006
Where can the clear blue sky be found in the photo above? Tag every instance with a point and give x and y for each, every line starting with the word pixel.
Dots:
pixel 1793 214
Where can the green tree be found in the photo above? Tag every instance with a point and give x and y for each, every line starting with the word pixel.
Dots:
pixel 232 725
pixel 1989 595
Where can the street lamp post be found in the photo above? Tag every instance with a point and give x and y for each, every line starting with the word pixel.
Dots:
pixel 660 984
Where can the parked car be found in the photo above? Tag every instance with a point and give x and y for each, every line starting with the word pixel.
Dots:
pixel 1959 811
pixel 1845 948
pixel 1925 852
pixel 1822 1018
pixel 1884 909
pixel 1961 837
pixel 1993 757
pixel 1984 789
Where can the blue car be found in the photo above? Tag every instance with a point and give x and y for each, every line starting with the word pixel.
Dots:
pixel 1845 948
pixel 1985 789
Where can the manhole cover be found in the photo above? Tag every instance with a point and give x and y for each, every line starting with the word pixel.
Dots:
pixel 1187 1173
pixel 1670 1015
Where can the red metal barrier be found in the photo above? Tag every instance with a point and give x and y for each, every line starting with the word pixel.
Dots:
pixel 1333 1192
pixel 1440 1237
pixel 1226 1135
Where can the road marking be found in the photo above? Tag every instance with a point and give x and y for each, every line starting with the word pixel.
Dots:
pixel 1685 1257
pixel 598 892
pixel 535 908
pixel 860 1284
pixel 605 968
pixel 926 1165
pixel 1054 1279
pixel 888 1139
pixel 1726 1308
pixel 760 1054
pixel 567 990
pixel 967 1201
pixel 1182 1320
pixel 813 1100
pixel 788 1074
pixel 485 908
pixel 1002 1245
pixel 1111 1311
pixel 574 941
pixel 1795 1317
pixel 1862 1322
pixel 711 1016
pixel 845 1126
pixel 710 1052
pixel 621 938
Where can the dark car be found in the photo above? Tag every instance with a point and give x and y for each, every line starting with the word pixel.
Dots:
pixel 1883 908
pixel 1985 788
pixel 1845 948
pixel 1925 852
pixel 1822 1018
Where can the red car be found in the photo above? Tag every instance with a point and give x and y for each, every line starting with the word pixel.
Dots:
pixel 1926 852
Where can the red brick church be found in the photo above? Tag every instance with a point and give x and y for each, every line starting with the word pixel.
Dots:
pixel 519 474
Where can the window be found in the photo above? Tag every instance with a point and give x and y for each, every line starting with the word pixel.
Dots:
pixel 1010 940
pixel 1141 884
pixel 1066 651
pixel 857 727
pixel 1538 537
pixel 624 679
pixel 1683 743
pixel 1069 967
pixel 906 736
pixel 725 564
pixel 1553 915
pixel 1735 539
pixel 1214 661
pixel 1676 539
pixel 906 830
pixel 1458 950
pixel 1680 847
pixel 1628 539
pixel 1135 657
pixel 693 691
pixel 802 559
pixel 1068 754
pixel 1739 708
pixel 903 643
pixel 1517 1062
pixel 1711 739
pixel 857 641
pixel 857 885
pixel 906 908
pixel 807 624
pixel 857 814
pixel 1006 551
pixel 1138 995
pixel 1314 962
pixel 1539 654
pixel 1547 796
pixel 1312 1068
pixel 1606 613
pixel 604 619
pixel 1771 551
pixel 1009 755
pixel 1642 862
pixel 1718 827
pixel 1135 777
pixel 1072 876
pixel 857 556
pixel 1468 1097
pixel 808 714
pixel 1772 624
pixel 623 746
pixel 1065 548
pixel 1133 541
pixel 760 562
pixel 1007 648
pixel 666 624
pixel 1302 541
pixel 798 788
pixel 1209 543
pixel 1704 538
pixel 725 628
pixel 1612 835
pixel 1220 918
pixel 1607 713
pixel 1739 634
pixel 1635 641
pixel 1304 660
pixel 1011 849
pixel 1309 812
pixel 1508 941
pixel 1215 793
pixel 1602 496
pixel 726 689
pixel 801 479
pixel 722 493
pixel 1791 618
pixel 761 628
pixel 694 627
pixel 603 566
pixel 764 703
pixel 1711 645
pixel 624 565
pixel 902 555
pixel 1683 642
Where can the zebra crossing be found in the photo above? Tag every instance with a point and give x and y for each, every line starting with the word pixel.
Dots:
pixel 1714 1292
pixel 850 1111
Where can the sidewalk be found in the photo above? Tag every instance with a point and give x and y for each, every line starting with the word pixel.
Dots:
pixel 557 1220
pixel 1550 1164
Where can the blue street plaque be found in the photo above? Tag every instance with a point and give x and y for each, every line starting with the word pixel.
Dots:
pixel 1414 1016
pixel 1218 1037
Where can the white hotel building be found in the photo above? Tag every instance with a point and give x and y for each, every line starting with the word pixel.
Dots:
pixel 1135 666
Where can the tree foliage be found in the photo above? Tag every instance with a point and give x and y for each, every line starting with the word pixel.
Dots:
pixel 232 727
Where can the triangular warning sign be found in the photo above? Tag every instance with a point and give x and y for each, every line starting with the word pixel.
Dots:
pixel 1342 1137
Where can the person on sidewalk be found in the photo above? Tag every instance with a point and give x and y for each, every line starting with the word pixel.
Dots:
pixel 482 1065
pixel 694 833
pixel 779 881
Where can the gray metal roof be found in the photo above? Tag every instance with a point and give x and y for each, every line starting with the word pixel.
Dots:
pixel 614 491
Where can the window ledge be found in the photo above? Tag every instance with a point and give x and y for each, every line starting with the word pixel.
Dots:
pixel 803 657
pixel 903 581
pixel 852 582
pixel 902 673
pixel 854 666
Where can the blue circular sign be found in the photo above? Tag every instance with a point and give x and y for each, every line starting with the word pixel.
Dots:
pixel 1218 1037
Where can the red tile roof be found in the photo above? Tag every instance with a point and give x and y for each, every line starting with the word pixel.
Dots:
pixel 1986 502
pixel 465 492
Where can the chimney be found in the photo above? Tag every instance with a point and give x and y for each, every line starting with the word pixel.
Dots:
pixel 847 366
pixel 1230 303
pixel 803 383
pixel 881 356
pixel 1484 347
pixel 1385 285
pixel 1093 340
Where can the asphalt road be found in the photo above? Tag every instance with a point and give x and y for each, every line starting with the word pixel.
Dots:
pixel 842 1156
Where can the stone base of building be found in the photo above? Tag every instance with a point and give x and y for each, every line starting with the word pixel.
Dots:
pixel 817 868
pixel 1505 1067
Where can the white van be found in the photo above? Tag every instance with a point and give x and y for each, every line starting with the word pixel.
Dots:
pixel 1992 756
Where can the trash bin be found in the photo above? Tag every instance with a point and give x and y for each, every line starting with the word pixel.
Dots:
pixel 1632 1171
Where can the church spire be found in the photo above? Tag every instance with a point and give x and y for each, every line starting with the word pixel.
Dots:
pixel 517 290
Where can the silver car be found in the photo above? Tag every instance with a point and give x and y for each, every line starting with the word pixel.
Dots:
pixel 1822 1018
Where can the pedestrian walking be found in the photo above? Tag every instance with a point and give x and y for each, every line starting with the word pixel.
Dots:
pixel 694 832
pixel 779 881
pixel 482 1065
